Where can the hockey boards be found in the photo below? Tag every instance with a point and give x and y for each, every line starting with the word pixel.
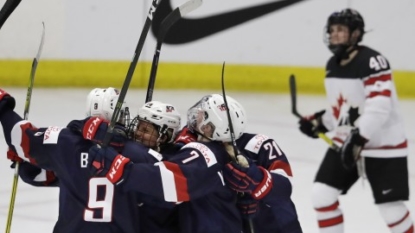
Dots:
pixel 131 69
pixel 293 93
pixel 165 26
pixel 7 10
pixel 26 115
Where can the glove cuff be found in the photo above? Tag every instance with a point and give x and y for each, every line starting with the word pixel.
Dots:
pixel 116 171
pixel 91 127
pixel 264 187
pixel 6 100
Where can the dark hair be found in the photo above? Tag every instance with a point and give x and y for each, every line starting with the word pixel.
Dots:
pixel 350 18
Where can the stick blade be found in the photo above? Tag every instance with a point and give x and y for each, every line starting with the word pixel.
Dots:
pixel 189 6
pixel 293 92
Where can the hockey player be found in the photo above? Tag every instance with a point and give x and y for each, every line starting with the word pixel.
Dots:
pixel 364 118
pixel 155 215
pixel 85 205
pixel 265 182
pixel 100 103
pixel 191 176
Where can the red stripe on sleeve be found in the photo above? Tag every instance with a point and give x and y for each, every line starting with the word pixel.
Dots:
pixel 381 78
pixel 330 222
pixel 386 93
pixel 399 221
pixel 179 180
pixel 25 144
pixel 281 165
pixel 328 208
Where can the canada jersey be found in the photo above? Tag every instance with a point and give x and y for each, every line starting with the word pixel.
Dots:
pixel 362 94
pixel 85 204
pixel 277 212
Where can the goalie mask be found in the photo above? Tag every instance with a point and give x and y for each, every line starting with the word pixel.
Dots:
pixel 156 123
pixel 209 118
pixel 353 21
pixel 101 102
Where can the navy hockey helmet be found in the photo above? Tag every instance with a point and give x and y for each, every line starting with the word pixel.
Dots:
pixel 349 17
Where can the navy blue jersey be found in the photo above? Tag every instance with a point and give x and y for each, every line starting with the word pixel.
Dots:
pixel 277 213
pixel 193 178
pixel 85 204
pixel 156 215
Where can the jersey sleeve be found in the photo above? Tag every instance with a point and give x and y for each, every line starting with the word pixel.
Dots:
pixel 267 153
pixel 39 147
pixel 191 173
pixel 36 176
pixel 379 88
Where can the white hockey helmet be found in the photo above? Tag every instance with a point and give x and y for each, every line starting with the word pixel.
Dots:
pixel 211 110
pixel 164 116
pixel 101 102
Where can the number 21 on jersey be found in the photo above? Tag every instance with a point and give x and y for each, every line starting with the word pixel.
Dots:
pixel 273 150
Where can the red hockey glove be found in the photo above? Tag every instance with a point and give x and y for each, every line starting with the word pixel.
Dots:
pixel 107 161
pixel 312 125
pixel 350 152
pixel 12 155
pixel 254 179
pixel 96 128
pixel 7 102
pixel 248 207
pixel 185 136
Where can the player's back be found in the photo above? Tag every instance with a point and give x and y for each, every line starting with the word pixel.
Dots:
pixel 89 204
pixel 276 212
pixel 86 204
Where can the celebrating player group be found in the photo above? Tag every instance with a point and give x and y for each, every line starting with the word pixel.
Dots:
pixel 160 173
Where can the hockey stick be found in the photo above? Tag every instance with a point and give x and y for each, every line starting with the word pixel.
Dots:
pixel 130 73
pixel 7 10
pixel 232 131
pixel 170 19
pixel 293 92
pixel 25 116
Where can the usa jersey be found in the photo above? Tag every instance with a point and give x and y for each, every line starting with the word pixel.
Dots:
pixel 192 178
pixel 277 212
pixel 85 204
pixel 156 215
pixel 362 94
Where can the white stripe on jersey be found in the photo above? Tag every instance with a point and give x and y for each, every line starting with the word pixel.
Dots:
pixel 16 139
pixel 168 183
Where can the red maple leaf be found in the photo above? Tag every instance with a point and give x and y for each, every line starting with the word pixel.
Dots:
pixel 336 109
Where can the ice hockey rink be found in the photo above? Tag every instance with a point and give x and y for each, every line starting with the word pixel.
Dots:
pixel 36 208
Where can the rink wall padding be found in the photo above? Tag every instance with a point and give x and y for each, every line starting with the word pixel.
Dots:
pixel 241 77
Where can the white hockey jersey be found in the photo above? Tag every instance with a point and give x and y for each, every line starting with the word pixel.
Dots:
pixel 362 94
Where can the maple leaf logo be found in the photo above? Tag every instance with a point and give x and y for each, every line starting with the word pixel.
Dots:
pixel 336 109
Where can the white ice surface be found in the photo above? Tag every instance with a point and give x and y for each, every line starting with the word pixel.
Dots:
pixel 36 208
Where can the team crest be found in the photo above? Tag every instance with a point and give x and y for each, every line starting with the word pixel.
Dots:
pixel 222 107
pixel 169 108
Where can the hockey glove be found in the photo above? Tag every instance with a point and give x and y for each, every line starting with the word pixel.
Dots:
pixel 254 179
pixel 12 155
pixel 7 102
pixel 248 207
pixel 350 152
pixel 96 128
pixel 312 125
pixel 107 162
pixel 185 136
